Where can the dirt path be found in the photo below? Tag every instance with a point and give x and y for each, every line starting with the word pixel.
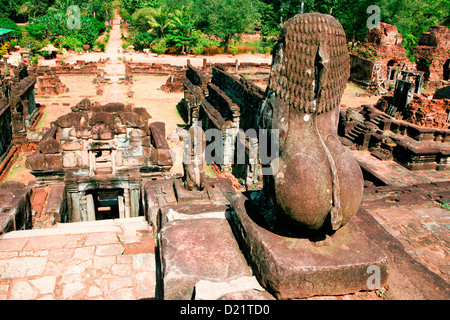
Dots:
pixel 114 67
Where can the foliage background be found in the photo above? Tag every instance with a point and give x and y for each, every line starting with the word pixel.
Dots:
pixel 183 26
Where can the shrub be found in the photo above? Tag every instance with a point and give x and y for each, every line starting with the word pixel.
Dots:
pixel 143 40
pixel 101 45
pixel 37 30
pixel 159 47
pixel 197 50
pixel 233 50
pixel 72 42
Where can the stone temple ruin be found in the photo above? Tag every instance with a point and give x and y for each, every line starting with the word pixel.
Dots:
pixel 300 229
pixel 433 53
pixel 101 154
pixel 382 59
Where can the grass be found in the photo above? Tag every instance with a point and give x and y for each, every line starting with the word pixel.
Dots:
pixel 209 171
pixel 43 120
pixel 445 205
pixel 17 168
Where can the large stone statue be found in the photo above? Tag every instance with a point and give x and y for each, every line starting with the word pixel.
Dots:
pixel 316 181
pixel 298 234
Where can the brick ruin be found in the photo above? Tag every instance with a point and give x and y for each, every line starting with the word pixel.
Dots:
pixel 380 57
pixel 102 155
pixel 433 54
pixel 380 60
pixel 48 83
pixel 230 104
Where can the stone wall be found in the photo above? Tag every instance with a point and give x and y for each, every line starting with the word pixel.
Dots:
pixel 17 92
pixel 15 207
pixel 95 147
pixel 6 132
pixel 361 69
pixel 226 102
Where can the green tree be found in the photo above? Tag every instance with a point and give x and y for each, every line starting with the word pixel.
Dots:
pixel 181 34
pixel 225 18
pixel 160 21
pixel 414 17
pixel 7 23
pixel 140 19
pixel 34 8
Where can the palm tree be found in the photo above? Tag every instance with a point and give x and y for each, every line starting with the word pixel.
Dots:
pixel 160 20
pixel 183 24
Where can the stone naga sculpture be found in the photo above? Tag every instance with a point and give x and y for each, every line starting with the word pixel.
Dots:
pixel 316 182
pixel 194 173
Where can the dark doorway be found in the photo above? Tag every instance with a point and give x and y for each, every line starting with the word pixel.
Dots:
pixel 424 65
pixel 107 203
pixel 393 64
pixel 447 70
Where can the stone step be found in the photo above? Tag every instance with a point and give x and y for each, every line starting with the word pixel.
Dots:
pixel 108 225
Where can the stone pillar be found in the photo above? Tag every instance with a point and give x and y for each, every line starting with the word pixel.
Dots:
pixel 121 207
pixel 75 200
pixel 126 195
pixel 113 161
pixel 134 202
pixel 229 140
pixel 252 173
pixel 5 63
pixel 90 206
pixel 83 206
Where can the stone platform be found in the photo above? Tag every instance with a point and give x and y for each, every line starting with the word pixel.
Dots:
pixel 99 260
pixel 292 268
pixel 196 248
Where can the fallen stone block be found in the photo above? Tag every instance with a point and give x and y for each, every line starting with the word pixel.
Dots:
pixel 194 250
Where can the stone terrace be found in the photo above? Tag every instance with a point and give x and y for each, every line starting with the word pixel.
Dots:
pixel 109 259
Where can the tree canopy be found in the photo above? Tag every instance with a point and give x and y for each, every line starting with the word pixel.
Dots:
pixel 189 23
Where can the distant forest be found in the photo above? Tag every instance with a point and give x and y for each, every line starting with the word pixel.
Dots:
pixel 193 25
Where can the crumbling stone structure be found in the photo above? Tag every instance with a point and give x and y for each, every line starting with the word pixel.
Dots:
pixel 15 206
pixel 48 82
pixel 102 154
pixel 19 112
pixel 433 54
pixel 229 104
pixel 389 137
pixel 18 93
